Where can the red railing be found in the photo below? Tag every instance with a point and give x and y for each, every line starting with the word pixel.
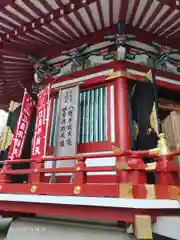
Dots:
pixel 133 185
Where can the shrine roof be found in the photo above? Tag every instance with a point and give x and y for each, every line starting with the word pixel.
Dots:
pixel 43 27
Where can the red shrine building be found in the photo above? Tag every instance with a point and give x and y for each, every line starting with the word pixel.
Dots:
pixel 94 148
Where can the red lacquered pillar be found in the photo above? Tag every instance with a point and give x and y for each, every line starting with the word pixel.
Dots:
pixel 122 131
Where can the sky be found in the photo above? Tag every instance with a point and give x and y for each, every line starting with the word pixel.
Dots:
pixel 3 119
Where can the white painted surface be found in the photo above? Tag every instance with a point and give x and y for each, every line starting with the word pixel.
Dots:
pixel 168 227
pixel 93 201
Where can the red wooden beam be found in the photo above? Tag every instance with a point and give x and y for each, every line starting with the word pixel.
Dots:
pixel 65 37
pixel 111 12
pixel 147 37
pixel 91 17
pixel 13 17
pixel 8 60
pixel 100 14
pixel 66 29
pixel 173 32
pixel 18 68
pixel 95 37
pixel 153 16
pixel 3 3
pixel 33 7
pixel 15 76
pixel 59 3
pixel 22 48
pixel 16 60
pixel 161 19
pixel 6 22
pixel 135 7
pixel 46 36
pixel 46 5
pixel 17 72
pixel 168 24
pixel 144 12
pixel 14 91
pixel 70 21
pixel 13 53
pixel 38 23
pixel 3 28
pixel 171 3
pixel 100 213
pixel 123 11
pixel 15 82
pixel 22 11
pixel 83 24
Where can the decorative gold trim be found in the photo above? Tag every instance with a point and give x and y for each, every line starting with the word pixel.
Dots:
pixel 121 165
pixel 125 191
pixel 33 189
pixel 150 192
pixel 116 149
pixel 174 193
pixel 148 75
pixel 77 190
pixel 117 74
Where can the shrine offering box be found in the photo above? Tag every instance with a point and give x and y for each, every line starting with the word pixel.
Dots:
pixel 171 129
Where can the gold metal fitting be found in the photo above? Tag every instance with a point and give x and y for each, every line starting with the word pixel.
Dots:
pixel 77 190
pixel 78 169
pixel 33 189
pixel 125 191
pixel 117 74
pixel 162 146
pixel 116 149
pixel 121 165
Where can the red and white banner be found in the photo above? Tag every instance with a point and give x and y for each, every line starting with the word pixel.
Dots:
pixel 20 134
pixel 39 140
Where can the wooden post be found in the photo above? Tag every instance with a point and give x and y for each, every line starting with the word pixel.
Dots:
pixel 143 227
pixel 122 131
